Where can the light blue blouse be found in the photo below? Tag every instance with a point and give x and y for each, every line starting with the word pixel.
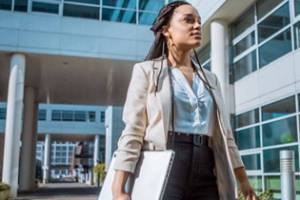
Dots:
pixel 194 110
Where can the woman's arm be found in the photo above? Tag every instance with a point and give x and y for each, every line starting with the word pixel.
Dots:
pixel 135 120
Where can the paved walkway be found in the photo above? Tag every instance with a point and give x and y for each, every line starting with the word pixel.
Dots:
pixel 62 191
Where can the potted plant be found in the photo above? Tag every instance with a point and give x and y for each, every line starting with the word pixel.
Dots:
pixel 266 195
pixel 4 191
pixel 99 171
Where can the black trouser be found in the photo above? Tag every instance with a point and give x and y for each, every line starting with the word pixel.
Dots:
pixel 191 176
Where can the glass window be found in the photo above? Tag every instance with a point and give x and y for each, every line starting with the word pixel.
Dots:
pixel 81 11
pixel 207 66
pixel 102 117
pixel 151 5
pixel 247 118
pixel 273 184
pixel 21 5
pixel 275 48
pixel 45 7
pixel 297 7
pixel 96 2
pixel 272 161
pixel 5 4
pixel 297 35
pixel 2 113
pixel 280 132
pixel 42 115
pixel 80 116
pixel 56 115
pixel 119 15
pixel 243 22
pixel 256 183
pixel 244 66
pixel 247 138
pixel 279 108
pixel 120 3
pixel 147 18
pixel 244 44
pixel 92 116
pixel 265 6
pixel 275 22
pixel 252 162
pixel 67 115
pixel 204 53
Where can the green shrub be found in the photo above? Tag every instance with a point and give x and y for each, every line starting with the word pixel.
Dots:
pixel 4 186
pixel 266 195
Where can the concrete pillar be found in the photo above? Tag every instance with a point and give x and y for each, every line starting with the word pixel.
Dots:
pixel 113 129
pixel 13 125
pixel 29 138
pixel 219 37
pixel 47 158
pixel 96 149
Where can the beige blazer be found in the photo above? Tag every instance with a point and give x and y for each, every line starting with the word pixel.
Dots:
pixel 147 117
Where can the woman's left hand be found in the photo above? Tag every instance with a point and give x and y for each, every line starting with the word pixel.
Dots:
pixel 248 191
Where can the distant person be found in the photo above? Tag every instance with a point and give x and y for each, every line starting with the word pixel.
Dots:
pixel 173 103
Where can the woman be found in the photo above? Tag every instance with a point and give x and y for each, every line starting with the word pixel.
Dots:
pixel 173 103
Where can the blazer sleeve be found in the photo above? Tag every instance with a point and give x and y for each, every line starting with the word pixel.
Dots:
pixel 233 149
pixel 135 118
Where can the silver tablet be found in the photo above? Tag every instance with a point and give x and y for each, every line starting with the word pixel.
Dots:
pixel 149 180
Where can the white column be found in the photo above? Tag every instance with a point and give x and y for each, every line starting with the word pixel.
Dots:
pixel 13 125
pixel 47 158
pixel 29 137
pixel 113 129
pixel 96 149
pixel 219 38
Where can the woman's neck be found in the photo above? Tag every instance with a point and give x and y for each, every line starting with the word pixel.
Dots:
pixel 180 60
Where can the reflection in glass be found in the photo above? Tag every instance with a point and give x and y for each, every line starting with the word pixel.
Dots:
pixel 247 118
pixel 265 6
pixel 273 23
pixel 252 162
pixel 256 183
pixel 297 7
pixel 245 66
pixel 272 160
pixel 204 53
pixel 146 18
pixel 2 113
pixel 243 22
pixel 5 4
pixel 244 44
pixel 45 7
pixel 118 15
pixel 207 66
pixel 275 48
pixel 151 5
pixel 297 35
pixel 247 138
pixel 81 11
pixel 42 115
pixel 21 5
pixel 120 3
pixel 280 132
pixel 96 2
pixel 279 108
pixel 273 184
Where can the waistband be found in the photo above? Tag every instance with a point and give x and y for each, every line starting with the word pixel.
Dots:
pixel 195 139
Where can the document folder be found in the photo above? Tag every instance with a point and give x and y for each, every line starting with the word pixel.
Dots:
pixel 149 179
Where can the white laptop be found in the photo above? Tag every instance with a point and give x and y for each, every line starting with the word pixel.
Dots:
pixel 149 180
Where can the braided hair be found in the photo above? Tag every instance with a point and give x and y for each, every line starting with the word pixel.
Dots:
pixel 158 48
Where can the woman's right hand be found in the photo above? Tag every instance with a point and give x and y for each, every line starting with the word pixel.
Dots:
pixel 121 196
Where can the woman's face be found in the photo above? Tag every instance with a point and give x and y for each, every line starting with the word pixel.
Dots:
pixel 184 28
